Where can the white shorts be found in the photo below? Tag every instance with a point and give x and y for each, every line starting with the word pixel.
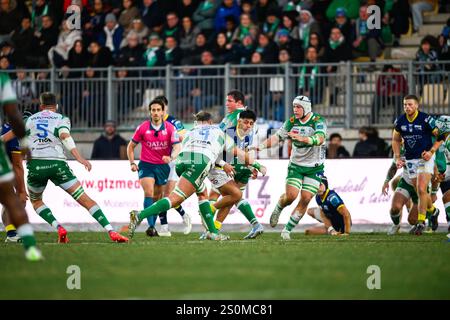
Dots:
pixel 173 173
pixel 218 178
pixel 416 166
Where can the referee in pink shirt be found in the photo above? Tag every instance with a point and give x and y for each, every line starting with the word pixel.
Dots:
pixel 160 145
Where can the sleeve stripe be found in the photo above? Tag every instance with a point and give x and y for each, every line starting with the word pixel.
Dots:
pixel 340 206
pixel 137 142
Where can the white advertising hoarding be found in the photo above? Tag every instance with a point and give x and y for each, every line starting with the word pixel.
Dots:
pixel 117 190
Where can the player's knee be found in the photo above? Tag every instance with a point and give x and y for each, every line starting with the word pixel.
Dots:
pixel 236 194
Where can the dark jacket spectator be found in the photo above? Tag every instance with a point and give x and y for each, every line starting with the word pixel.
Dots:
pixel 284 41
pixel 263 7
pixel 112 35
pixel 267 48
pixel 335 149
pixel 222 50
pixel 204 15
pixel 95 23
pixel 172 27
pixel 100 57
pixel 337 49
pixel 23 38
pixel 110 145
pixel 78 58
pixel 186 8
pixel 188 34
pixel 227 9
pixel 369 145
pixel 10 17
pixel 172 52
pixel 154 55
pixel 132 54
pixel 343 23
pixel 271 24
pixel 152 14
pixel 46 38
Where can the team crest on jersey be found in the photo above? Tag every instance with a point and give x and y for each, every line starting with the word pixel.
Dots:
pixel 292 119
pixel 418 127
pixel 404 128
pixel 410 127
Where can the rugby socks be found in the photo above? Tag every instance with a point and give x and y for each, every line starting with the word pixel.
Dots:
pixel 218 224
pixel 45 213
pixel 25 232
pixel 205 211
pixel 98 215
pixel 10 230
pixel 247 211
pixel 162 217
pixel 278 208
pixel 293 220
pixel 431 211
pixel 156 208
pixel 180 210
pixel 395 217
pixel 148 201
pixel 421 218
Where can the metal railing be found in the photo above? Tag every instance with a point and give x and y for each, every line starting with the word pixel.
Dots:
pixel 347 94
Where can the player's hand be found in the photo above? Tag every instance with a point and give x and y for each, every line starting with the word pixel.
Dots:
pixel 385 188
pixel 229 170
pixel 263 170
pixel 166 159
pixel 297 137
pixel 400 163
pixel 426 155
pixel 254 174
pixel 134 167
pixel 87 165
pixel 23 197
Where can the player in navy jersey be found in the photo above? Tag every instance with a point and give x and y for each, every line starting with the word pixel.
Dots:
pixel 417 130
pixel 15 156
pixel 331 211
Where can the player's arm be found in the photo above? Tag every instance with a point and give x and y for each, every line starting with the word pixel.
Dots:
pixel 396 146
pixel 342 209
pixel 176 149
pixel 269 142
pixel 69 144
pixel 130 155
pixel 8 136
pixel 390 175
pixel 15 120
pixel 316 139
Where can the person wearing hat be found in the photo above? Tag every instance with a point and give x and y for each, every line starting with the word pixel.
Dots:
pixel 343 23
pixel 112 35
pixel 351 6
pixel 110 145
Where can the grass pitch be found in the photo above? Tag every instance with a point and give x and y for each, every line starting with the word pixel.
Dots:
pixel 182 267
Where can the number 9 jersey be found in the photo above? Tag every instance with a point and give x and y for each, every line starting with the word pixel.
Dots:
pixel 43 134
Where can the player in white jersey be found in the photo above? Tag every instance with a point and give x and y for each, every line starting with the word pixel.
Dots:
pixel 8 197
pixel 200 149
pixel 49 133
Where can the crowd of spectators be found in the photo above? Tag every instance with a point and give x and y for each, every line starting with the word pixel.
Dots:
pixel 155 33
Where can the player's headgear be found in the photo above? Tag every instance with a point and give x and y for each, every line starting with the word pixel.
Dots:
pixel 325 182
pixel 48 99
pixel 304 102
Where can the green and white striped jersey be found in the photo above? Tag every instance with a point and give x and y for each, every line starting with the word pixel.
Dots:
pixel 43 135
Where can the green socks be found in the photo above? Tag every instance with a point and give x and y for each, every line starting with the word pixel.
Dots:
pixel 98 215
pixel 395 217
pixel 25 232
pixel 247 211
pixel 156 208
pixel 208 217
pixel 45 213
pixel 293 221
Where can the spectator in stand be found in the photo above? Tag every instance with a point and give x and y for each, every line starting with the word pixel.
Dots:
pixel 369 145
pixel 289 23
pixel 343 23
pixel 128 14
pixel 188 35
pixel 267 48
pixel 186 8
pixel 272 23
pixel 154 55
pixel 94 26
pixel 226 9
pixel 262 9
pixel 307 27
pixel 171 27
pixel 367 41
pixel 141 31
pixel 316 42
pixel 243 51
pixel 25 88
pixel 10 18
pixel 100 57
pixel 23 40
pixel 292 45
pixel 59 54
pixel 112 35
pixel 310 83
pixel 222 50
pixel 132 54
pixel 417 8
pixel 444 50
pixel 391 87
pixel 7 50
pixel 205 14
pixel 230 27
pixel 40 9
pixel 351 6
pixel 152 16
pixel 335 149
pixel 78 58
pixel 172 52
pixel 336 50
pixel 298 5
pixel 5 64
pixel 110 145
pixel 195 54
pixel 46 38
pixel 428 58
pixel 399 19
pixel 247 7
pixel 246 27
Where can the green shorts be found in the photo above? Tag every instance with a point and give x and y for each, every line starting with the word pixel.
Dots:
pixel 57 171
pixel 243 173
pixel 304 178
pixel 407 190
pixel 6 172
pixel 193 167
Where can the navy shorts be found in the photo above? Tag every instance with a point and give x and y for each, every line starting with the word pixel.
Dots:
pixel 337 222
pixel 159 172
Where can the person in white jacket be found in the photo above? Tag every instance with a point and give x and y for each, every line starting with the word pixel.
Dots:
pixel 58 54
